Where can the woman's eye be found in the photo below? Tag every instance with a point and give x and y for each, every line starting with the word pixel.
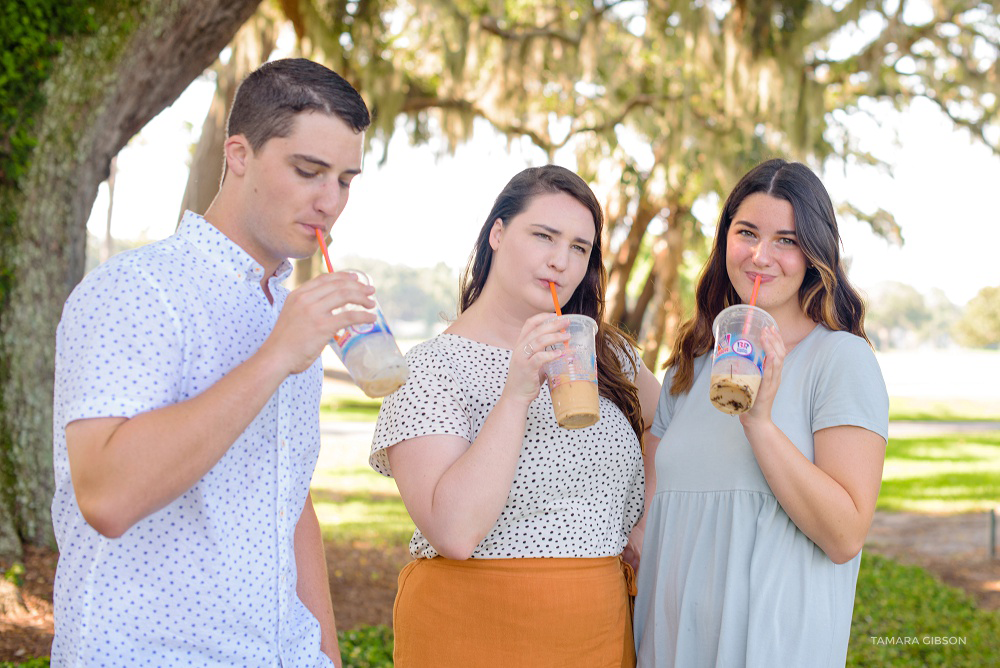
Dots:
pixel 579 249
pixel 787 241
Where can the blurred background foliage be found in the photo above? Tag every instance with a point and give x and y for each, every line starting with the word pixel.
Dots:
pixel 662 102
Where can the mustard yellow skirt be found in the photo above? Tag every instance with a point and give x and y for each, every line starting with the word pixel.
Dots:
pixel 518 613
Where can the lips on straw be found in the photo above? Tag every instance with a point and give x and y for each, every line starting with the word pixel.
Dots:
pixel 555 297
pixel 322 247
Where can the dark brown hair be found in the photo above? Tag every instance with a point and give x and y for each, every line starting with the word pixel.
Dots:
pixel 270 97
pixel 826 295
pixel 613 345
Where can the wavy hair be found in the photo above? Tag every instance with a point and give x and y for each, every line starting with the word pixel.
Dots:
pixel 613 345
pixel 826 295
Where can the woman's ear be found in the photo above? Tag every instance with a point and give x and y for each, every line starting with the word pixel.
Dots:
pixel 495 234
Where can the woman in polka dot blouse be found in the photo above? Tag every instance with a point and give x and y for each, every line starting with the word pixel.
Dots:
pixel 520 522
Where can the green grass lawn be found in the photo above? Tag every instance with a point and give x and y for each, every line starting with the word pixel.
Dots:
pixel 904 618
pixel 948 473
pixel 349 408
pixel 353 502
pixel 940 410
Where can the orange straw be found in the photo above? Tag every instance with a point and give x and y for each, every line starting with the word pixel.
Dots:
pixel 555 297
pixel 326 254
pixel 753 297
pixel 753 302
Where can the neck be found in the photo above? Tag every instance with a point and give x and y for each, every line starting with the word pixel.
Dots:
pixel 492 319
pixel 225 214
pixel 794 325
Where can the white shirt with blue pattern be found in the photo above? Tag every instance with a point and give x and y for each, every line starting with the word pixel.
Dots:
pixel 210 579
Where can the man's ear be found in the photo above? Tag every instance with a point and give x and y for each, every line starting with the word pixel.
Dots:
pixel 238 152
pixel 495 234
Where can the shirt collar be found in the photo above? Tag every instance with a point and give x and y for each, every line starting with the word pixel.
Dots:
pixel 223 251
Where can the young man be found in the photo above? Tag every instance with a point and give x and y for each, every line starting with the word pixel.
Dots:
pixel 186 407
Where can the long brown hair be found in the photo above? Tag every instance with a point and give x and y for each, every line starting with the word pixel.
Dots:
pixel 826 295
pixel 613 345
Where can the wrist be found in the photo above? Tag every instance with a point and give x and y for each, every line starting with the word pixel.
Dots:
pixel 515 400
pixel 271 363
pixel 758 428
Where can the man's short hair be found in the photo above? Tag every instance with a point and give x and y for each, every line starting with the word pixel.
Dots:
pixel 270 97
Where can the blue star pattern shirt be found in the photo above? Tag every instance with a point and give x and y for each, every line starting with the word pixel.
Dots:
pixel 209 580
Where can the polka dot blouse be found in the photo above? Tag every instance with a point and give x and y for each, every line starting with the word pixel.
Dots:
pixel 577 493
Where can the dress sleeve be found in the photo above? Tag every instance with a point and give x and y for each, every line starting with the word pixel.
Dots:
pixel 851 390
pixel 119 349
pixel 430 402
pixel 665 407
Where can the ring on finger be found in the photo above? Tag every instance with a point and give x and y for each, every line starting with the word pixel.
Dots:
pixel 528 350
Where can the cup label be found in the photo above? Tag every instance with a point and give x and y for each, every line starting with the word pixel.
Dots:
pixel 743 347
pixel 722 347
pixel 347 337
pixel 570 368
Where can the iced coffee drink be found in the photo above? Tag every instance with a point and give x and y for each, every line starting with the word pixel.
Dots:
pixel 575 404
pixel 734 394
pixel 370 353
pixel 572 377
pixel 738 360
pixel 376 365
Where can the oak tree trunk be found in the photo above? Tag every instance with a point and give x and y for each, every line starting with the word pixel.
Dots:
pixel 105 86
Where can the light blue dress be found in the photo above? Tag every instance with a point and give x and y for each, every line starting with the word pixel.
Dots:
pixel 726 578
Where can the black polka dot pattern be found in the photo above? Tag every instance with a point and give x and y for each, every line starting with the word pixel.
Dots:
pixel 577 493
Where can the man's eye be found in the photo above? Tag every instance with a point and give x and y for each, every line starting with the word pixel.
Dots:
pixel 304 174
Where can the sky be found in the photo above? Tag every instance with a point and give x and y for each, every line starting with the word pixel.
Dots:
pixel 421 207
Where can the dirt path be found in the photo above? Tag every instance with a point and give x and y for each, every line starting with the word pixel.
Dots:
pixel 953 547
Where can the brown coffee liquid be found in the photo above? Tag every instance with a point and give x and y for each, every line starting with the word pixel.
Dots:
pixel 576 404
pixel 734 394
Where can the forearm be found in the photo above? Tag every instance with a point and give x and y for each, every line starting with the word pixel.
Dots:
pixel 153 458
pixel 818 505
pixel 473 491
pixel 313 585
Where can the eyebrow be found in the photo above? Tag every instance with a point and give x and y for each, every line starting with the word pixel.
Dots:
pixel 746 224
pixel 553 231
pixel 321 163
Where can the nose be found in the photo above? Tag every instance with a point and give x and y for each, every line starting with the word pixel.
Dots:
pixel 762 254
pixel 328 199
pixel 559 257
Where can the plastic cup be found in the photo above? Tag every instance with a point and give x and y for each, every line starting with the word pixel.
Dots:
pixel 572 377
pixel 370 353
pixel 738 360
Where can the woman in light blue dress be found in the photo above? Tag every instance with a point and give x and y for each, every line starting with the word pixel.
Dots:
pixel 755 523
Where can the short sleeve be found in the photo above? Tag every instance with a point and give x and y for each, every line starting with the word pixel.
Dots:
pixel 430 402
pixel 665 406
pixel 851 390
pixel 118 347
pixel 628 358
